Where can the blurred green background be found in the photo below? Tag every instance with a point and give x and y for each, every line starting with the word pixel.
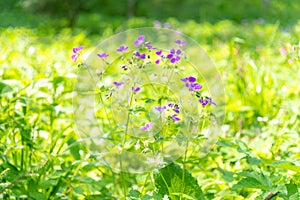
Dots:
pixel 93 14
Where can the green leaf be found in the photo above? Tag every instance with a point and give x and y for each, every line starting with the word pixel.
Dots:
pixel 133 194
pixel 253 160
pixel 259 177
pixel 292 189
pixel 4 88
pixel 242 147
pixel 249 183
pixel 286 165
pixel 149 100
pixel 74 148
pixel 227 175
pixel 175 182
pixel 224 143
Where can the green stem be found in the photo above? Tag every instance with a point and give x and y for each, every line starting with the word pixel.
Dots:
pixel 98 94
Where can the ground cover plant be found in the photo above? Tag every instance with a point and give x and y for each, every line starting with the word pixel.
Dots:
pixel 256 155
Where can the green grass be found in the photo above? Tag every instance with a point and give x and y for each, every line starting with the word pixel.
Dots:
pixel 257 152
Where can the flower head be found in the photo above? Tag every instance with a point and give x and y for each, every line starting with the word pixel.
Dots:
pixel 140 56
pixel 160 108
pixel 180 42
pixel 174 55
pixel 124 67
pixel 76 51
pixel 102 55
pixel 139 41
pixel 149 46
pixel 122 48
pixel 203 102
pixel 136 89
pixel 174 117
pixel 118 84
pixel 206 100
pixel 193 86
pixel 159 52
pixel 147 126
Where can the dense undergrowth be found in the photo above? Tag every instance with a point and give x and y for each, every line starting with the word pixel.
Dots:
pixel 256 156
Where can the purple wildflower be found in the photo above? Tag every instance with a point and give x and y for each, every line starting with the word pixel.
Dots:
pixel 139 41
pixel 124 67
pixel 176 109
pixel 207 100
pixel 102 55
pixel 185 79
pixel 141 56
pixel 160 108
pixel 147 127
pixel 118 84
pixel 136 89
pixel 192 79
pixel 149 46
pixel 174 55
pixel 174 117
pixel 170 105
pixel 159 52
pixel 157 61
pixel 180 42
pixel 122 48
pixel 191 83
pixel 204 102
pixel 193 86
pixel 211 101
pixel 76 51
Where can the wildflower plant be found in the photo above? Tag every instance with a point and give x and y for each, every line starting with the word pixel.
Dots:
pixel 144 97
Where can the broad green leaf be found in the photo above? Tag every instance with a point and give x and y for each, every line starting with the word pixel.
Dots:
pixel 172 180
pixel 286 165
pixel 224 143
pixel 259 177
pixel 249 183
pixel 74 148
pixel 292 189
pixel 4 88
pixel 133 194
pixel 227 175
pixel 253 160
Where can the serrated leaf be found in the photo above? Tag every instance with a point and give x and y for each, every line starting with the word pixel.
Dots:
pixel 259 177
pixel 249 183
pixel 173 180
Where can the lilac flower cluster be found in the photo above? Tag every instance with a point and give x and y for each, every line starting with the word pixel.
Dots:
pixel 147 126
pixel 141 56
pixel 174 55
pixel 174 107
pixel 193 86
pixel 76 51
pixel 190 83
